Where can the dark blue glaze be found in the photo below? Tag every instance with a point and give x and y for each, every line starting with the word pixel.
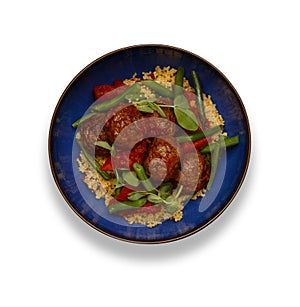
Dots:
pixel 120 65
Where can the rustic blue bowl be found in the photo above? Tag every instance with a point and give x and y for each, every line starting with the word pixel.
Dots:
pixel 122 64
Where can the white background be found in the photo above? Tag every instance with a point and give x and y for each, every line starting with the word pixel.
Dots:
pixel 248 257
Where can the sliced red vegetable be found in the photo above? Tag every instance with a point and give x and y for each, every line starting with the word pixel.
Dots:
pixel 107 166
pixel 104 92
pixel 123 194
pixel 102 89
pixel 118 83
pixel 121 158
pixel 198 145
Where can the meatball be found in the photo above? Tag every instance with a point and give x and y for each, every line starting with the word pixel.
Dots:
pixel 162 159
pixel 119 118
pixel 191 165
pixel 91 131
pixel 165 126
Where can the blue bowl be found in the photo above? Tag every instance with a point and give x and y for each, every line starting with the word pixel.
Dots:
pixel 122 64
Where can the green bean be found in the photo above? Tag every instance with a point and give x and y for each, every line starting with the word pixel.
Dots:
pixel 108 104
pixel 199 135
pixel 179 80
pixel 228 142
pixel 179 76
pixel 125 205
pixel 199 97
pixel 214 164
pixel 82 119
pixel 158 88
pixel 93 162
pixel 142 176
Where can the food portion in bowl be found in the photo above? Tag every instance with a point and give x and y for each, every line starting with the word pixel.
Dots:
pixel 150 143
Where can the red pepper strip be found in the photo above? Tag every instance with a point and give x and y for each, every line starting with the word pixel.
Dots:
pixel 101 90
pixel 107 166
pixel 118 83
pixel 123 194
pixel 120 160
pixel 106 92
pixel 198 145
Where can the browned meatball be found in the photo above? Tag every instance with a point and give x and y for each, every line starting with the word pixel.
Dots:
pixel 163 126
pixel 162 159
pixel 119 118
pixel 191 166
pixel 91 131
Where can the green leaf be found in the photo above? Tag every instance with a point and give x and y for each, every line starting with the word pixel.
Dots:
pixel 186 119
pixel 117 184
pixel 103 145
pixel 131 178
pixel 155 199
pixel 165 190
pixel 181 102
pixel 119 178
pixel 135 195
pixel 158 109
pixel 171 204
pixel 144 108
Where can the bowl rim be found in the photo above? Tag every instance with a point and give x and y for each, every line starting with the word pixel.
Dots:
pixel 70 203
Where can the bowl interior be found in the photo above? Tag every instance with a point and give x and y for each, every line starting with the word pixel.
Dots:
pixel 122 64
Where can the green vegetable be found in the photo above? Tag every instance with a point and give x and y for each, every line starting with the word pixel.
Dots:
pixel 214 164
pixel 165 190
pixel 184 116
pixel 125 205
pixel 131 178
pixel 137 195
pixel 161 90
pixel 172 203
pixel 181 102
pixel 142 176
pixel 154 199
pixel 158 109
pixel 103 145
pixel 228 142
pixel 199 97
pixel 108 104
pixel 135 97
pixel 164 197
pixel 93 162
pixel 82 119
pixel 144 108
pixel 199 135
pixel 149 106
pixel 186 119
pixel 179 80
